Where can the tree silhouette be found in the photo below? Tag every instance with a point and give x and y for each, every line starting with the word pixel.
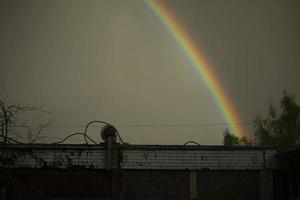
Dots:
pixel 229 139
pixel 9 121
pixel 280 127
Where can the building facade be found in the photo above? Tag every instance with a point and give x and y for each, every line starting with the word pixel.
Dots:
pixel 144 172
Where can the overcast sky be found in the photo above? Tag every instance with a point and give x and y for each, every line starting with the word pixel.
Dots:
pixel 113 61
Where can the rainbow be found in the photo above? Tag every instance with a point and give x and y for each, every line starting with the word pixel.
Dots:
pixel 204 70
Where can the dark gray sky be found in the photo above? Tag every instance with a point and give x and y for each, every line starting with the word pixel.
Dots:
pixel 113 61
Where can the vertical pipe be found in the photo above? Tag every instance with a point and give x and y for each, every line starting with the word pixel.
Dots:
pixel 109 153
pixel 193 185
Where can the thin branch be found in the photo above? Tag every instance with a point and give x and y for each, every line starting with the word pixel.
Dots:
pixel 40 129
pixel 8 138
pixel 18 108
pixel 9 120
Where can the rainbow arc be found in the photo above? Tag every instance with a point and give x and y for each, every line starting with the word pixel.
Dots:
pixel 198 61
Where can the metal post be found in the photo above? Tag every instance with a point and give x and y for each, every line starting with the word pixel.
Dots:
pixel 109 153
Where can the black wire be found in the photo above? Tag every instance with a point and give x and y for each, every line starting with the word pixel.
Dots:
pixel 184 125
pixel 72 136
pixel 103 122
pixel 84 134
pixel 192 142
pixel 150 125
pixel 88 124
pixel 16 141
pixel 122 141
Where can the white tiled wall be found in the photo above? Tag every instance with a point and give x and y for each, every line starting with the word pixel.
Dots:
pixel 143 158
pixel 192 159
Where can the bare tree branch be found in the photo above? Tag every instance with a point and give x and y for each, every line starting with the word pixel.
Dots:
pixel 39 131
pixel 9 120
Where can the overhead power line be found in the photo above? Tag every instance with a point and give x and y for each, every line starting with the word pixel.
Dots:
pixel 149 125
pixel 185 125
